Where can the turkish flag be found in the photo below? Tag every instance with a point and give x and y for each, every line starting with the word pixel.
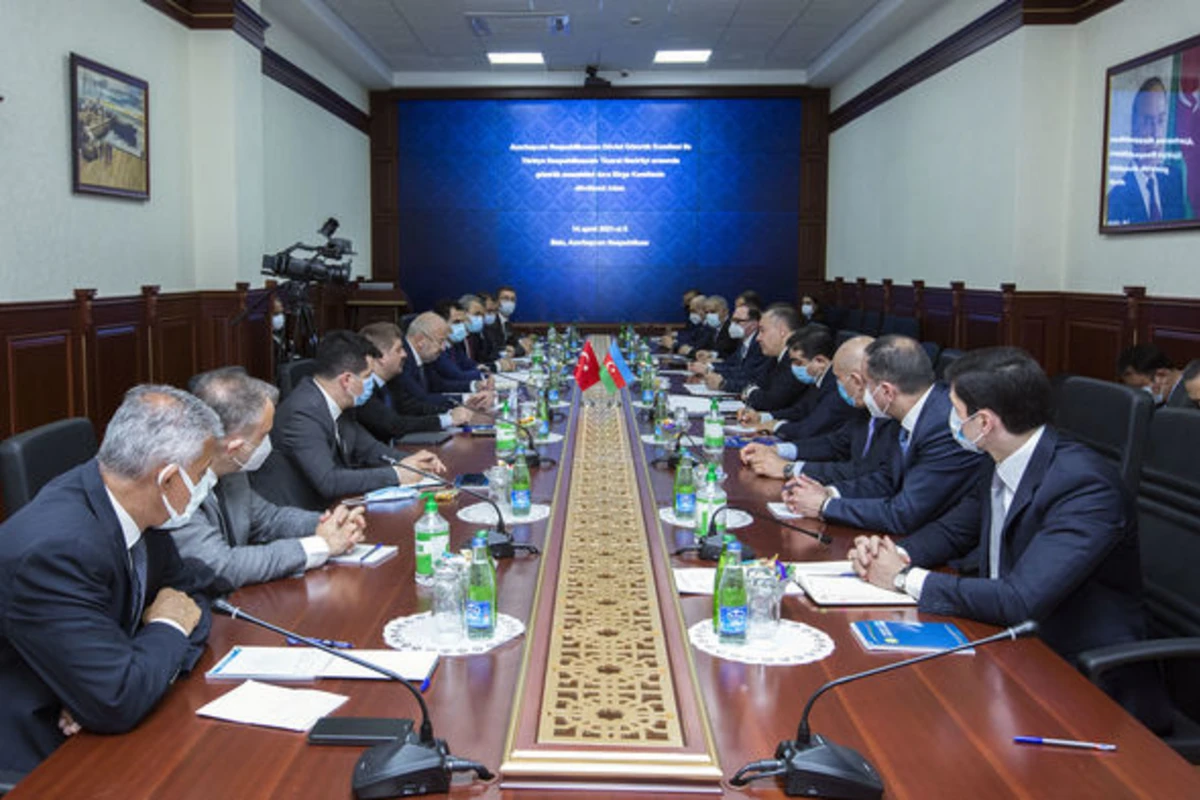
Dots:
pixel 587 370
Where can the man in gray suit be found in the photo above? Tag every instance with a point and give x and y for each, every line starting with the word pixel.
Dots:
pixel 235 532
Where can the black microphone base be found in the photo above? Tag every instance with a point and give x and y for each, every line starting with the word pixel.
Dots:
pixel 402 769
pixel 501 545
pixel 825 769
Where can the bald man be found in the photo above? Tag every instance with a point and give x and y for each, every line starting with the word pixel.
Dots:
pixel 426 339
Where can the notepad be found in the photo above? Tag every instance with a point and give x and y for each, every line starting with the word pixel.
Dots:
pixel 833 583
pixel 897 636
pixel 701 390
pixel 255 703
pixel 365 555
pixel 780 511
pixel 309 664
pixel 699 580
pixel 699 405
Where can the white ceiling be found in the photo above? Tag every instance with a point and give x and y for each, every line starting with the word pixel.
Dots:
pixel 388 43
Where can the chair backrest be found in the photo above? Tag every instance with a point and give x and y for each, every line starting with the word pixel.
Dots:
pixel 853 320
pixel 944 360
pixel 844 336
pixel 905 326
pixel 835 316
pixel 871 320
pixel 933 350
pixel 1111 418
pixel 31 459
pixel 292 372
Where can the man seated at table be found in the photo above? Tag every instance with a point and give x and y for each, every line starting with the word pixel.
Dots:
pixel 235 532
pixel 778 388
pixel 390 412
pixel 424 342
pixel 747 364
pixel 453 370
pixel 862 444
pixel 698 334
pixel 97 618
pixel 476 346
pixel 718 320
pixel 506 305
pixel 321 453
pixel 928 472
pixel 1147 367
pixel 691 319
pixel 1056 532
pixel 820 410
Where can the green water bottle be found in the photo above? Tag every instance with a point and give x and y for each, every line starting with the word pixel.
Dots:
pixel 521 502
pixel 506 433
pixel 481 591
pixel 731 593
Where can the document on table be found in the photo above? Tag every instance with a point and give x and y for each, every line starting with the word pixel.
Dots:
pixel 781 511
pixel 699 405
pixel 309 663
pixel 833 583
pixel 507 379
pixel 365 555
pixel 255 703
pixel 700 390
pixel 699 580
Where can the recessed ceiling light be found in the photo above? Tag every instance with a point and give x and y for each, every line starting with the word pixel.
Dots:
pixel 516 58
pixel 682 56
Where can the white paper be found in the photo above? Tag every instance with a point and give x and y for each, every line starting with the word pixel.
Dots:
pixel 309 663
pixel 699 580
pixel 699 405
pixel 701 390
pixel 255 703
pixel 507 379
pixel 780 511
pixel 833 583
pixel 674 372
pixel 365 555
pixel 740 430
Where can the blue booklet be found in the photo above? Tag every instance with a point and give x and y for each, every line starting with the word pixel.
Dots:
pixel 894 636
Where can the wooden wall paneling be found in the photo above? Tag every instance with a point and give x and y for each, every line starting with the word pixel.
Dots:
pixel 40 365
pixel 887 296
pixel 982 319
pixel 838 291
pixel 1173 324
pixel 1094 333
pixel 938 322
pixel 861 293
pixel 174 336
pixel 254 335
pixel 957 290
pixel 903 301
pixel 118 347
pixel 1037 325
pixel 873 297
pixel 918 295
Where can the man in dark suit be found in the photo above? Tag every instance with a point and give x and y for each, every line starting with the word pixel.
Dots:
pixel 747 365
pixel 1057 536
pixel 1190 383
pixel 700 331
pixel 424 342
pixel 779 387
pixel 97 619
pixel 671 340
pixel 1151 190
pixel 506 305
pixel 477 347
pixel 928 472
pixel 453 370
pixel 860 445
pixel 236 533
pixel 1147 367
pixel 820 410
pixel 320 453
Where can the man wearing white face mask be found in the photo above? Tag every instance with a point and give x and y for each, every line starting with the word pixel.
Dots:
pixel 97 615
pixel 235 532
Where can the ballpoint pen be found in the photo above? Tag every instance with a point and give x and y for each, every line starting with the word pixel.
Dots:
pixel 369 553
pixel 1064 743
pixel 327 642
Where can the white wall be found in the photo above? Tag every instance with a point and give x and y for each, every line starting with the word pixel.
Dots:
pixel 236 159
pixel 988 172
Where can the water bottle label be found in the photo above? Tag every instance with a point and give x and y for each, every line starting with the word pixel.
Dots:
pixel 479 614
pixel 553 395
pixel 543 427
pixel 685 504
pixel 714 435
pixel 732 621
pixel 647 396
pixel 520 500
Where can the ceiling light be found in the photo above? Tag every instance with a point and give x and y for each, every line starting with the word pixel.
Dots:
pixel 682 56
pixel 516 58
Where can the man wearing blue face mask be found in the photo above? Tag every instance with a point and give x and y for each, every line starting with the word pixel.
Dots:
pixel 320 453
pixel 476 347
pixel 242 537
pixel 98 614
pixel 1056 532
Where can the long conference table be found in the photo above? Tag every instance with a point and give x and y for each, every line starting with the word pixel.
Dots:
pixel 941 729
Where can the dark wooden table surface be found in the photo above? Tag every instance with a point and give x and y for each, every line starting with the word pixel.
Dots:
pixel 942 729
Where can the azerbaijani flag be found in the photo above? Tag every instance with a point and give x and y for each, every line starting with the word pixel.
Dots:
pixel 615 374
pixel 614 353
pixel 587 369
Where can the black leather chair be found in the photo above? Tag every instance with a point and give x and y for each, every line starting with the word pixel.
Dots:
pixel 933 350
pixel 904 326
pixel 1169 529
pixel 871 321
pixel 292 372
pixel 29 460
pixel 1111 418
pixel 945 358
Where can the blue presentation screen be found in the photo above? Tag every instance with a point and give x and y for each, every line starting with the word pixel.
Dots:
pixel 599 210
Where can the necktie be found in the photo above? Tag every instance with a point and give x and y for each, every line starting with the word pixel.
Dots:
pixel 226 523
pixel 1155 208
pixel 904 438
pixel 996 535
pixel 137 555
pixel 870 436
pixel 387 396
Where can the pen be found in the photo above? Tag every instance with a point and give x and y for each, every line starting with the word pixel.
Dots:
pixel 327 642
pixel 1064 743
pixel 369 553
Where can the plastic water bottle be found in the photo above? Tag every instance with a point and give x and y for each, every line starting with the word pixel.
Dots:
pixel 661 416
pixel 433 539
pixel 722 562
pixel 543 414
pixel 521 502
pixel 731 608
pixel 710 498
pixel 714 431
pixel 481 591
pixel 685 490
pixel 506 433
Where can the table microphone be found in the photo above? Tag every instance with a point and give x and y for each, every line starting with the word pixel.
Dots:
pixel 814 766
pixel 500 542
pixel 416 764
pixel 532 457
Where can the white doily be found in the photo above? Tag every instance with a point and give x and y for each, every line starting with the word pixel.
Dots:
pixel 648 438
pixel 734 518
pixel 549 438
pixel 483 514
pixel 794 643
pixel 417 633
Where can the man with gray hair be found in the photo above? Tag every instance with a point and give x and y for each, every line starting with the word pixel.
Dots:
pixel 242 537
pixel 97 619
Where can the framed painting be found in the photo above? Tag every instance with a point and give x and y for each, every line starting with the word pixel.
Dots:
pixel 110 131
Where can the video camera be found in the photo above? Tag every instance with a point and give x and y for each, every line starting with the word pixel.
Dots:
pixel 316 268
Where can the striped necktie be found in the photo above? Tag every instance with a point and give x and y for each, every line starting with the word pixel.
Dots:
pixel 138 557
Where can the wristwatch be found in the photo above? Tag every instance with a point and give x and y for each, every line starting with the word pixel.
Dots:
pixel 898 582
pixel 789 470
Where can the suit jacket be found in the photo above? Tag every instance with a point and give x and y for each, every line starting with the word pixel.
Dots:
pixel 724 344
pixel 253 541
pixel 312 464
pixel 511 339
pixel 445 374
pixel 860 446
pixel 916 485
pixel 1178 398
pixel 1126 206
pixel 495 337
pixel 479 349
pixel 414 382
pixel 381 416
pixel 822 409
pixel 688 333
pixel 746 366
pixel 701 337
pixel 69 637
pixel 779 388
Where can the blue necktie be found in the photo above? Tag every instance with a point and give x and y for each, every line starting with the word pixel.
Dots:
pixel 870 436
pixel 904 437
pixel 137 555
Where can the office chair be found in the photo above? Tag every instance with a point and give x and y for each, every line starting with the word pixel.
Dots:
pixel 1110 418
pixel 844 336
pixel 291 373
pixel 904 326
pixel 1168 505
pixel 945 358
pixel 29 460
pixel 933 350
